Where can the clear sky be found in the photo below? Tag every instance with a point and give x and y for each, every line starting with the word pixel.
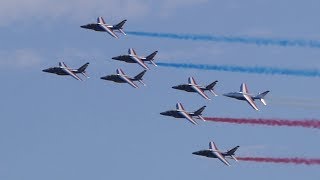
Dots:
pixel 55 127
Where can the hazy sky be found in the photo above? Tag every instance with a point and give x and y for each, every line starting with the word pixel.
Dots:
pixel 55 127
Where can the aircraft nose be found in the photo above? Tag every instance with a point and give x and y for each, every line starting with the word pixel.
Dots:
pixel 45 70
pixel 175 87
pixel 195 153
pixel 115 58
pixel 104 77
pixel 163 113
pixel 226 94
pixel 83 26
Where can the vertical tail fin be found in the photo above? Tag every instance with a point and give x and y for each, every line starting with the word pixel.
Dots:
pixel 139 77
pixel 261 96
pixel 151 58
pixel 210 88
pixel 199 113
pixel 231 153
pixel 82 70
pixel 119 27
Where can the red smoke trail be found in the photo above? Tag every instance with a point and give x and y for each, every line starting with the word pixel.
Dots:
pixel 268 122
pixel 281 160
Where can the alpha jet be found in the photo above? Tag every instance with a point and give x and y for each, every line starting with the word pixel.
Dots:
pixel 121 77
pixel 132 57
pixel 214 152
pixel 192 86
pixel 63 69
pixel 179 112
pixel 103 27
pixel 246 96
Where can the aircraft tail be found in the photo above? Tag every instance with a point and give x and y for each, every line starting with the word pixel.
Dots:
pixel 151 58
pixel 139 77
pixel 231 153
pixel 119 26
pixel 198 113
pixel 82 70
pixel 210 88
pixel 261 96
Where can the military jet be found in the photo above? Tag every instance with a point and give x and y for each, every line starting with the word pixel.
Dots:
pixel 181 113
pixel 192 86
pixel 214 152
pixel 121 77
pixel 63 69
pixel 132 57
pixel 103 27
pixel 244 95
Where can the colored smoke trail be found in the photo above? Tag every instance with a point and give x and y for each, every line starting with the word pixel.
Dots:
pixel 232 39
pixel 268 122
pixel 243 69
pixel 281 160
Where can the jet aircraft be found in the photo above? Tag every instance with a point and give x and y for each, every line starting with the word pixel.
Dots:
pixel 63 69
pixel 246 96
pixel 103 27
pixel 180 112
pixel 214 152
pixel 132 57
pixel 121 77
pixel 192 86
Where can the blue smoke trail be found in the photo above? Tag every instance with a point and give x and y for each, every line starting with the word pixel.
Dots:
pixel 232 39
pixel 241 69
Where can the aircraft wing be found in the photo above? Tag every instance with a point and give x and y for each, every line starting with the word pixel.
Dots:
pixel 200 91
pixel 187 116
pixel 221 157
pixel 64 67
pixel 217 153
pixel 250 101
pixel 107 29
pixel 125 78
pixel 140 62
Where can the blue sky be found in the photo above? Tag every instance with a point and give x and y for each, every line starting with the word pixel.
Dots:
pixel 58 128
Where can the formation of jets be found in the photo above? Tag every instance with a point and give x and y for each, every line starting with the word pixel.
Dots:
pixel 191 86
